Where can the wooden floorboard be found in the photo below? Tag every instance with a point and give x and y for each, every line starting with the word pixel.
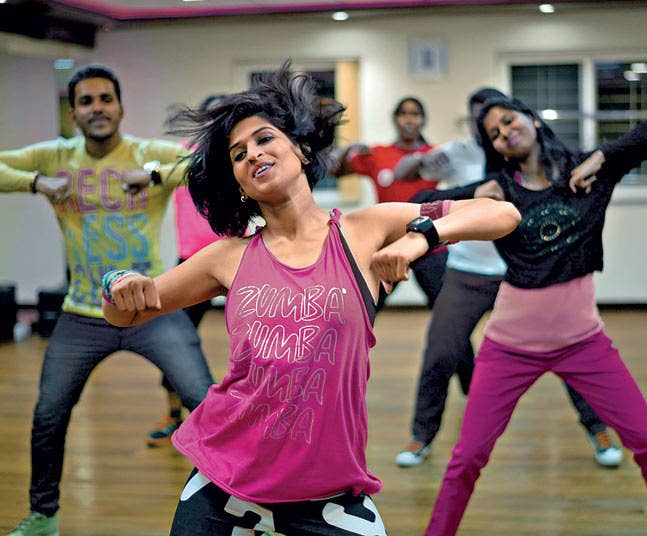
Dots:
pixel 542 478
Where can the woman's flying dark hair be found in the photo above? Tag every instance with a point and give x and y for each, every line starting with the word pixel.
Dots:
pixel 555 157
pixel 287 100
pixel 421 110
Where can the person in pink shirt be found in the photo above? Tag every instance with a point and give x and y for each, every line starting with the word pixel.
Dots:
pixel 280 444
pixel 193 233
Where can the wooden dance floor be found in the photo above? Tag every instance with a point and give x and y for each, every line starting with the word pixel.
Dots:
pixel 542 479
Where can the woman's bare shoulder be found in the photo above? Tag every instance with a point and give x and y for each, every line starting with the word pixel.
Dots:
pixel 230 246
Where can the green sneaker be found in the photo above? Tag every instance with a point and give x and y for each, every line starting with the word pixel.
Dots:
pixel 36 524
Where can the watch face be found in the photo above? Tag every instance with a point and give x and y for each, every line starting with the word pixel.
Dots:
pixel 420 225
pixel 152 166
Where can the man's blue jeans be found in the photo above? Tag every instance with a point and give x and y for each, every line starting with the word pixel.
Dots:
pixel 77 345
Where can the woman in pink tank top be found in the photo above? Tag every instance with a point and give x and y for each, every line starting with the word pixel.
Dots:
pixel 280 444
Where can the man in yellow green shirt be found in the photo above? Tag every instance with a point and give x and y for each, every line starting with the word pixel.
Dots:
pixel 109 220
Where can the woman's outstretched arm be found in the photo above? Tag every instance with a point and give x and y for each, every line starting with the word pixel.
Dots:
pixel 623 154
pixel 132 298
pixel 379 236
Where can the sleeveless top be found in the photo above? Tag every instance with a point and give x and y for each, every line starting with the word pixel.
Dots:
pixel 547 318
pixel 289 421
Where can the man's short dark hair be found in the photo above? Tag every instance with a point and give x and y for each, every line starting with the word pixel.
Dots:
pixel 91 71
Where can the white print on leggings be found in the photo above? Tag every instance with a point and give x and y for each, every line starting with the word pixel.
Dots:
pixel 195 484
pixel 287 368
pixel 335 516
pixel 239 508
pixel 234 506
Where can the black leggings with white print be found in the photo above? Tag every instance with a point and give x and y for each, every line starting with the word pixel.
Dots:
pixel 205 509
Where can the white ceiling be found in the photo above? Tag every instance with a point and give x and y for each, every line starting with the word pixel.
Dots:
pixel 123 10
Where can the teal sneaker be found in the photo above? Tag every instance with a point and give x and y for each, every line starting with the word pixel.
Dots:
pixel 36 524
pixel 163 431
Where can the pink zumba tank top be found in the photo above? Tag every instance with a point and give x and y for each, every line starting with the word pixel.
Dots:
pixel 289 421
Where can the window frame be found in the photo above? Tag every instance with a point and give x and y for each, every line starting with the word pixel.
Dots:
pixel 589 114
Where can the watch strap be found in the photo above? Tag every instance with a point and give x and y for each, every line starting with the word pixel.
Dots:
pixel 425 226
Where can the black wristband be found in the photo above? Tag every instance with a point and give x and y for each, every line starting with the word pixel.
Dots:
pixel 425 225
pixel 33 183
pixel 153 169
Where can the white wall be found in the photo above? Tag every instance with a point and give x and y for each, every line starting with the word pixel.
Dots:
pixel 181 61
pixel 32 248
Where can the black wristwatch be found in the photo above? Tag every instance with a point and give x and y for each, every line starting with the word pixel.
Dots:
pixel 153 168
pixel 425 225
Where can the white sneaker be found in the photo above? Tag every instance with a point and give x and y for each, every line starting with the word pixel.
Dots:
pixel 413 455
pixel 606 453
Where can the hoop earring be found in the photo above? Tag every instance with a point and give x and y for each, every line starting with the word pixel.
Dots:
pixel 243 197
pixel 304 150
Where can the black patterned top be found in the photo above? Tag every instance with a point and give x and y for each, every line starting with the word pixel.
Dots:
pixel 560 234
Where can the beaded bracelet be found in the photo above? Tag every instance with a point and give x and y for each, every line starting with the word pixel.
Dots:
pixel 108 279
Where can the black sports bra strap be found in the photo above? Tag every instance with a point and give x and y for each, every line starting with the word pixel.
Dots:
pixel 367 297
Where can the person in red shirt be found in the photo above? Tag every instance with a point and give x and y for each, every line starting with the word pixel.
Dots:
pixel 378 163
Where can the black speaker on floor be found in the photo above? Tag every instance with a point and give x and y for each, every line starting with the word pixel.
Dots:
pixel 49 309
pixel 8 311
